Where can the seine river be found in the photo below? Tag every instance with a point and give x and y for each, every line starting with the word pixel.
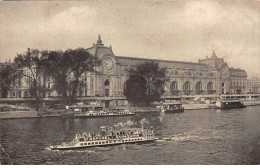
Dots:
pixel 193 137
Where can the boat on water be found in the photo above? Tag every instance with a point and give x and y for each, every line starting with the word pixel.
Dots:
pixel 96 111
pixel 229 104
pixel 172 107
pixel 108 136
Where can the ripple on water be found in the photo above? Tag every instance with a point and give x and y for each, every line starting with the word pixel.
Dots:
pixel 193 137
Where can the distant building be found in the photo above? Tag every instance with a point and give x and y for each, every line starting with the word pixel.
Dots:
pixel 209 76
pixel 254 85
pixel 238 80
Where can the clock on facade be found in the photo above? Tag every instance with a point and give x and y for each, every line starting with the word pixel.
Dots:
pixel 108 64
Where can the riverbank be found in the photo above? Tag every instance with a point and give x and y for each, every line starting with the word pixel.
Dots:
pixel 143 109
pixel 59 112
pixel 26 114
pixel 197 106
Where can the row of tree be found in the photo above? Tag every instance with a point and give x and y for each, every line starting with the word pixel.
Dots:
pixel 145 84
pixel 65 67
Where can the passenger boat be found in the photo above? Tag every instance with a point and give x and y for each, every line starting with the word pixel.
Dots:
pixel 108 136
pixel 96 111
pixel 172 107
pixel 229 104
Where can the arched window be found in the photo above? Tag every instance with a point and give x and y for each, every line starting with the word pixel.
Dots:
pixel 210 87
pixel 198 88
pixel 107 83
pixel 174 86
pixel 186 86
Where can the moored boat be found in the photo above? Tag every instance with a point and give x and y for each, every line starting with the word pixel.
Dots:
pixel 172 107
pixel 108 136
pixel 96 111
pixel 229 104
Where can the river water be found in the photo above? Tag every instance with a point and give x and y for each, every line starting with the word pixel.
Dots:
pixel 194 137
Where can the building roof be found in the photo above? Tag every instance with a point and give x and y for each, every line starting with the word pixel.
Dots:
pixel 132 61
pixel 237 72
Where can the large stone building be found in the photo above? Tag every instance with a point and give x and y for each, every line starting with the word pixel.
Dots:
pixel 209 76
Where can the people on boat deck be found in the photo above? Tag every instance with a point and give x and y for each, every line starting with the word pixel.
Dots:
pixel 112 132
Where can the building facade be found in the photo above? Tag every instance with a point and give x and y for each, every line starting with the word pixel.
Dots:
pixel 253 85
pixel 209 76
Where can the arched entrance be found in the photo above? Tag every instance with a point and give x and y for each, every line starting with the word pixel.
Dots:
pixel 223 88
pixel 107 91
pixel 174 88
pixel 198 88
pixel 210 88
pixel 186 87
pixel 107 87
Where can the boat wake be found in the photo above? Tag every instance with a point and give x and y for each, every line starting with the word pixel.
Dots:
pixel 194 136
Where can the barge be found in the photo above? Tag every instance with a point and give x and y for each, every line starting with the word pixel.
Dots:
pixel 96 111
pixel 229 104
pixel 172 107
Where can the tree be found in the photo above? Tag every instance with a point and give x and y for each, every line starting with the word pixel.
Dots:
pixel 66 68
pixel 82 62
pixel 7 76
pixel 135 90
pixel 57 66
pixel 154 78
pixel 31 62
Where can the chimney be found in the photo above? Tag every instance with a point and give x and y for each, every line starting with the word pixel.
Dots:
pixel 28 50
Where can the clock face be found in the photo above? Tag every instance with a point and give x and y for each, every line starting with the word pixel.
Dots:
pixel 108 63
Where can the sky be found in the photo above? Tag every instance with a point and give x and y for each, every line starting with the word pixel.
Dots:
pixel 163 29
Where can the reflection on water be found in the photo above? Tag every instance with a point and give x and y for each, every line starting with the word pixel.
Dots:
pixel 193 137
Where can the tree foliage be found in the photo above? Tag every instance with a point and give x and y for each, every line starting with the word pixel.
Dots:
pixel 146 82
pixel 7 76
pixel 33 63
pixel 135 90
pixel 66 68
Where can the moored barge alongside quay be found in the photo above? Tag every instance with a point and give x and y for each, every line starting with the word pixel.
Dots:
pixel 96 111
pixel 229 104
pixel 170 107
pixel 173 107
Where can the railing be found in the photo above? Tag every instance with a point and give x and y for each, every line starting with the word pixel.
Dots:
pixel 99 93
pixel 211 91
pixel 187 92
pixel 174 93
pixel 114 93
pixel 117 93
pixel 199 92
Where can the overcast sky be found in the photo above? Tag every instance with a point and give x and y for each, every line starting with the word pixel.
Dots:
pixel 175 30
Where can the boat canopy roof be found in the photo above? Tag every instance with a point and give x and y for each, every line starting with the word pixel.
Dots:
pixel 84 106
pixel 231 100
pixel 172 103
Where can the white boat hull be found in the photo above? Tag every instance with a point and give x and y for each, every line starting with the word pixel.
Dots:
pixel 100 143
